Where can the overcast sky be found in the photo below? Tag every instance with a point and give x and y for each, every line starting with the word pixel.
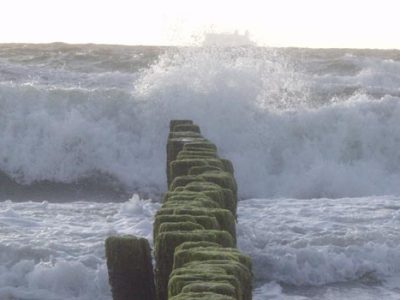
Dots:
pixel 302 23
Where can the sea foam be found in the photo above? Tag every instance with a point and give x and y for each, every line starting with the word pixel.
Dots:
pixel 272 116
pixel 62 255
pixel 343 248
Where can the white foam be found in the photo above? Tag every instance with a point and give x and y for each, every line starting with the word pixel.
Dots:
pixel 301 249
pixel 61 280
pixel 62 256
pixel 369 74
pixel 324 244
pixel 258 105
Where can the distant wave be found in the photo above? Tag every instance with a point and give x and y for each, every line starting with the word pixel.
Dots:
pixel 99 187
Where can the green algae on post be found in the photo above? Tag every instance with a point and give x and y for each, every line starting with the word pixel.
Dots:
pixel 224 217
pixel 165 245
pixel 183 195
pixel 199 202
pixel 197 145
pixel 222 288
pixel 129 268
pixel 200 254
pixel 179 226
pixel 186 128
pixel 189 245
pixel 195 154
pixel 173 123
pixel 223 179
pixel 201 296
pixel 178 282
pixel 195 228
pixel 202 169
pixel 183 181
pixel 182 167
pixel 237 269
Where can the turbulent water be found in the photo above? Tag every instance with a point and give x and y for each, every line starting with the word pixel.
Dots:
pixel 313 135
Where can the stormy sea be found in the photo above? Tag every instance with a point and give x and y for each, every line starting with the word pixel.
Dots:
pixel 313 134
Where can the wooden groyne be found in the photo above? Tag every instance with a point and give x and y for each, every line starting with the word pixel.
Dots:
pixel 194 231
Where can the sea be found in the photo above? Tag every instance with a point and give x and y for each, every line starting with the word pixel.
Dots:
pixel 313 134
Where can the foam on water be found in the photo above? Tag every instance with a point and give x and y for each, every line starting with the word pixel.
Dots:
pixel 323 248
pixel 301 249
pixel 336 79
pixel 54 251
pixel 263 106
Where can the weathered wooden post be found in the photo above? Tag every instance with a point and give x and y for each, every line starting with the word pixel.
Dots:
pixel 194 231
pixel 129 268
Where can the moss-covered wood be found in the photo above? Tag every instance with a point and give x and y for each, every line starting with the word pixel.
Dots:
pixel 129 268
pixel 197 145
pixel 182 167
pixel 173 123
pixel 201 296
pixel 225 197
pixel 223 179
pixel 184 134
pixel 199 151
pixel 179 226
pixel 176 143
pixel 224 217
pixel 201 254
pixel 221 196
pixel 160 219
pixel 207 222
pixel 165 245
pixel 196 154
pixel 228 166
pixel 190 245
pixel 203 169
pixel 183 195
pixel 184 180
pixel 230 285
pixel 222 288
pixel 199 202
pixel 231 267
pixel 186 127
pixel 196 223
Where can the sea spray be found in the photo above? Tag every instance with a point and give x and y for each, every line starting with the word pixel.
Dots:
pixel 301 124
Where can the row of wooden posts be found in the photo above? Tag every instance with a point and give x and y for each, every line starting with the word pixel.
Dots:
pixel 194 232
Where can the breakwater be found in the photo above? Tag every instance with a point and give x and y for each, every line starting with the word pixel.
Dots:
pixel 194 230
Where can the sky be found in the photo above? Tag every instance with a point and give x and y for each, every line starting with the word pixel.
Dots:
pixel 288 23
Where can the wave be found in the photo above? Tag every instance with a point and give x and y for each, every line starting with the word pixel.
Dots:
pixel 257 105
pixel 317 242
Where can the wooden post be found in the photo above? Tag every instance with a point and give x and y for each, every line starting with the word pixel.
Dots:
pixel 129 268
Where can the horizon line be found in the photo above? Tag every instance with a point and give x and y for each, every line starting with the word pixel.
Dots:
pixel 187 46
